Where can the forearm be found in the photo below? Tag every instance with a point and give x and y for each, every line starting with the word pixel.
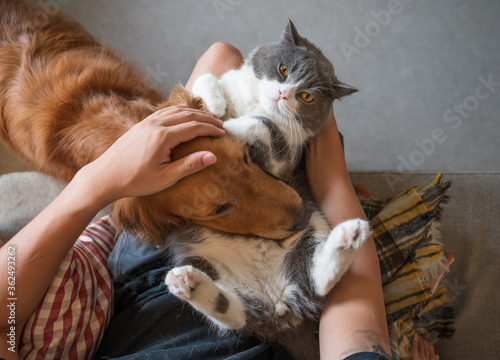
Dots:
pixel 40 248
pixel 332 191
pixel 354 318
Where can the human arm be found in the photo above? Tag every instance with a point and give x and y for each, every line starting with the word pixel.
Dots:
pixel 137 164
pixel 354 319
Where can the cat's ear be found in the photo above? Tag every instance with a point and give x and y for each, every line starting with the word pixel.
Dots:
pixel 340 90
pixel 290 34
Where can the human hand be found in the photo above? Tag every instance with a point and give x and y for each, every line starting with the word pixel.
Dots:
pixel 139 163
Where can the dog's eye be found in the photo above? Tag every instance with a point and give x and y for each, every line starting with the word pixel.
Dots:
pixel 221 208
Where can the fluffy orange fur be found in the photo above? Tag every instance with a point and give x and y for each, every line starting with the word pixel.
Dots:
pixel 65 98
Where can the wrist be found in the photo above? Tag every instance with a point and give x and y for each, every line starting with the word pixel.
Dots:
pixel 87 193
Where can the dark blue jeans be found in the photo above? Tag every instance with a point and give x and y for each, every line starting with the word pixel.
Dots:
pixel 366 356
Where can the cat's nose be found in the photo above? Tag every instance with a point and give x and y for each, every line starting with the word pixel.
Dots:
pixel 283 95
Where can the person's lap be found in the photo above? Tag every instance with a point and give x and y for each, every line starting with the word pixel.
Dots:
pixel 149 322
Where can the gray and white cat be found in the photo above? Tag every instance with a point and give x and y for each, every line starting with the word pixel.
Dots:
pixel 275 102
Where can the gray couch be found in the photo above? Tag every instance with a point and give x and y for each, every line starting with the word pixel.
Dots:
pixel 467 232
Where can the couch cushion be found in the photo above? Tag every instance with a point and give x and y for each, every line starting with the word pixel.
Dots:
pixel 468 231
pixel 24 195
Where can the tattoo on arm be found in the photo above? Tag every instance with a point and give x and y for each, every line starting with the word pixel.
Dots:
pixel 367 340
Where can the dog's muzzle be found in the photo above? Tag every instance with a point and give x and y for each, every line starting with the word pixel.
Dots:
pixel 304 219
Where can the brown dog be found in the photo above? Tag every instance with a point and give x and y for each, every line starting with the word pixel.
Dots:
pixel 65 98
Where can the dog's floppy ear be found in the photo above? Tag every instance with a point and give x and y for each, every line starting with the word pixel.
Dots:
pixel 138 217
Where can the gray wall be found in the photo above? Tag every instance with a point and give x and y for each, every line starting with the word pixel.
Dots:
pixel 422 103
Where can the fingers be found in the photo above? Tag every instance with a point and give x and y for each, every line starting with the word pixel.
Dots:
pixel 147 148
pixel 190 130
pixel 189 165
pixel 422 350
pixel 175 115
pixel 180 124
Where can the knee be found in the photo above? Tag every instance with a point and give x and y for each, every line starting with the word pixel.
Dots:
pixel 225 53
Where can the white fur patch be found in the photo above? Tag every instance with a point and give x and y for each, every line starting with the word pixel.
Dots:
pixel 194 286
pixel 270 91
pixel 249 129
pixel 207 87
pixel 249 266
pixel 333 257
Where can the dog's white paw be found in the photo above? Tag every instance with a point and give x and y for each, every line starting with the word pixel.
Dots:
pixel 350 234
pixel 181 281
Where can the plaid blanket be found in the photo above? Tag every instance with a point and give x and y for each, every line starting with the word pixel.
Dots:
pixel 412 263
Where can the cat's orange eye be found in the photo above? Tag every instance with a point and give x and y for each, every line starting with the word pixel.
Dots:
pixel 283 70
pixel 306 97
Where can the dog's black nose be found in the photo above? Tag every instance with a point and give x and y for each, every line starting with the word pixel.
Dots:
pixel 303 220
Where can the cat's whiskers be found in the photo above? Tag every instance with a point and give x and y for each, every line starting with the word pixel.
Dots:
pixel 284 113
pixel 285 135
pixel 299 141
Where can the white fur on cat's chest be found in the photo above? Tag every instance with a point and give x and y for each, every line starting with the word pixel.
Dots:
pixel 252 266
pixel 247 95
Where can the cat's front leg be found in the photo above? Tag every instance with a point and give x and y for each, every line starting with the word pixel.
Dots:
pixel 333 257
pixel 207 87
pixel 249 129
pixel 194 286
pixel 255 131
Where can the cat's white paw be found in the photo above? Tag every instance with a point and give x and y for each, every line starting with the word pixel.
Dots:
pixel 207 87
pixel 248 129
pixel 181 281
pixel 350 234
pixel 223 308
pixel 216 104
pixel 333 259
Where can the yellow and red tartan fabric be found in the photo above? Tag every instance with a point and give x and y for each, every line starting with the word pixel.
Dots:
pixel 412 264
